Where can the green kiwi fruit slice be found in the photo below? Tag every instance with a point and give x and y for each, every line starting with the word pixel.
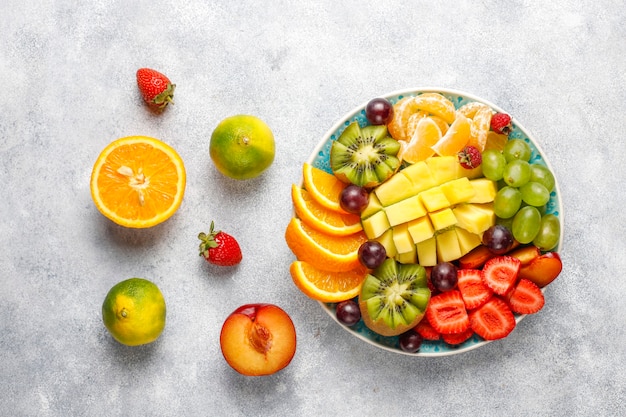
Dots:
pixel 364 156
pixel 394 297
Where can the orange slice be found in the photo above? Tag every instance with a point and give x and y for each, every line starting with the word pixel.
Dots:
pixel 321 218
pixel 329 253
pixel 479 128
pixel 402 111
pixel 138 181
pixel 427 133
pixel 325 286
pixel 436 104
pixel 325 188
pixel 496 141
pixel 455 138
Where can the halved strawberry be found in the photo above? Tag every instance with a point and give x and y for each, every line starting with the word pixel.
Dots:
pixel 526 297
pixel 427 331
pixel 493 320
pixel 446 313
pixel 473 289
pixel 458 338
pixel 500 273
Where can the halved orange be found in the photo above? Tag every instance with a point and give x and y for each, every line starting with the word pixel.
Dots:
pixel 325 188
pixel 329 253
pixel 138 181
pixel 455 138
pixel 321 218
pixel 326 286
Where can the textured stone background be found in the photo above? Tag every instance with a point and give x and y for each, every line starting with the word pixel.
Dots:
pixel 67 72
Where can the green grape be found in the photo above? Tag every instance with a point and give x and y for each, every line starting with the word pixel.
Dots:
pixel 534 194
pixel 517 149
pixel 549 233
pixel 493 164
pixel 526 224
pixel 516 173
pixel 507 202
pixel 541 174
pixel 508 223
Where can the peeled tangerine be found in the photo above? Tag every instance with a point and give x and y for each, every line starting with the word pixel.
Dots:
pixel 394 297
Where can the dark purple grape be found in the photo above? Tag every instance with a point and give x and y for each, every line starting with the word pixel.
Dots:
pixel 443 276
pixel 348 312
pixel 410 341
pixel 498 239
pixel 372 254
pixel 379 111
pixel 353 199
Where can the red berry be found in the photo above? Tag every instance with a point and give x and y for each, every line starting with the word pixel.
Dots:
pixel 457 338
pixel 500 273
pixel 155 88
pixel 470 157
pixel 446 313
pixel 526 298
pixel 501 123
pixel 473 289
pixel 493 320
pixel 219 248
pixel 426 330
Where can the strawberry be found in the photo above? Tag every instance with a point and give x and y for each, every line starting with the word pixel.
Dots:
pixel 219 248
pixel 446 313
pixel 493 320
pixel 470 157
pixel 526 298
pixel 501 123
pixel 500 273
pixel 426 330
pixel 155 88
pixel 458 338
pixel 473 289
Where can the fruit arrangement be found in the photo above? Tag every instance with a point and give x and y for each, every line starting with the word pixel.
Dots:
pixel 426 222
pixel 139 182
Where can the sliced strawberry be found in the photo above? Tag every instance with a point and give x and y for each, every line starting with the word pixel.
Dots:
pixel 526 297
pixel 500 273
pixel 446 313
pixel 427 331
pixel 493 320
pixel 473 289
pixel 458 338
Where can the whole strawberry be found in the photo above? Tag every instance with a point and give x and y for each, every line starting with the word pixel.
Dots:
pixel 155 88
pixel 470 157
pixel 219 248
pixel 501 123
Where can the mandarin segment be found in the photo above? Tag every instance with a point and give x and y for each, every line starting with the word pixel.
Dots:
pixel 436 104
pixel 426 134
pixel 455 138
pixel 479 128
pixel 322 218
pixel 330 253
pixel 402 111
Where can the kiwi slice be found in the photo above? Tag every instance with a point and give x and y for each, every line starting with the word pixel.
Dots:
pixel 394 297
pixel 364 156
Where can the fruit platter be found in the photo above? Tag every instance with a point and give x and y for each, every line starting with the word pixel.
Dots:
pixel 427 222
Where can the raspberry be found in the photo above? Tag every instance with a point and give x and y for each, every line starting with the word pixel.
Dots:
pixel 501 123
pixel 470 157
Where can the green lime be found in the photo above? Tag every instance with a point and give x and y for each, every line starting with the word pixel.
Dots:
pixel 242 147
pixel 134 312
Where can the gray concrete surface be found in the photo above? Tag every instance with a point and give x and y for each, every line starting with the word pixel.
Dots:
pixel 67 73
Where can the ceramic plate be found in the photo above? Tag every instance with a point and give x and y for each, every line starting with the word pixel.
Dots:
pixel 320 159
